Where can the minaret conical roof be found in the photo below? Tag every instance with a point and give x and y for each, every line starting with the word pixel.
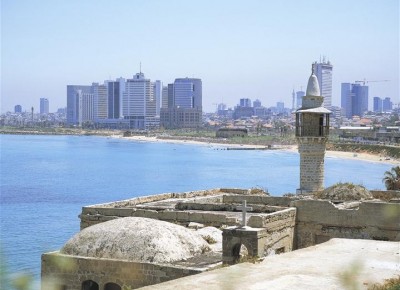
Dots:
pixel 313 85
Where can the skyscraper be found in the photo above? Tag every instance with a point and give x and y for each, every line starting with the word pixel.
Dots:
pixel 299 98
pixel 245 102
pixel 18 109
pixel 100 102
pixel 387 105
pixel 257 103
pixel 157 92
pixel 280 106
pixel 377 108
pixel 354 99
pixel 113 95
pixel 164 97
pixel 74 102
pixel 139 104
pixel 44 106
pixel 188 93
pixel 323 71
pixel 184 104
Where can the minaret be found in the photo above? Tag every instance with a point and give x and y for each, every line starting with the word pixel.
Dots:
pixel 312 131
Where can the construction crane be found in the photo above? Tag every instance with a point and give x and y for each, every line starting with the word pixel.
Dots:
pixel 365 81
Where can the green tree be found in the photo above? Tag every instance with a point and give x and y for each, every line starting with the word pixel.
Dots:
pixel 392 178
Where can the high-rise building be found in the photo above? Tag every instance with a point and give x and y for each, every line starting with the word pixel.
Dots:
pixel 257 103
pixel 387 105
pixel 245 102
pixel 377 108
pixel 323 71
pixel 114 99
pixel 157 92
pixel 170 95
pixel 299 98
pixel 164 97
pixel 100 102
pixel 73 92
pixel 188 93
pixel 280 106
pixel 139 104
pixel 18 109
pixel 86 107
pixel 44 106
pixel 354 99
pixel 184 104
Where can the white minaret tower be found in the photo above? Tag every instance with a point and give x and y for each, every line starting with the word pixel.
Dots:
pixel 312 131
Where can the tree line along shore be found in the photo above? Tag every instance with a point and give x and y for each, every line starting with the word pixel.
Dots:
pixel 382 150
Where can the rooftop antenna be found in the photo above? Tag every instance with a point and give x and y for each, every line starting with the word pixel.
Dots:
pixel 140 67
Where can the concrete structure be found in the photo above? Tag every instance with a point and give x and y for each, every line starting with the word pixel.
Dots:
pixel 44 106
pixel 312 130
pixel 323 72
pixel 275 225
pixel 337 264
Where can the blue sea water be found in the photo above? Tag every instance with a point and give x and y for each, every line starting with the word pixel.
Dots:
pixel 45 180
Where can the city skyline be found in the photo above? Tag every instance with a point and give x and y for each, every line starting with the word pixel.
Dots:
pixel 258 51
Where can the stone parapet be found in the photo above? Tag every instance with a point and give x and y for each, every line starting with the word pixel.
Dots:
pixel 62 270
pixel 318 221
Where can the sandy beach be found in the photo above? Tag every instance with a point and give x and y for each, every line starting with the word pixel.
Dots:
pixel 290 148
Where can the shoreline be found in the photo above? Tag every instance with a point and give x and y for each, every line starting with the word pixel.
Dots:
pixel 289 148
pixel 368 157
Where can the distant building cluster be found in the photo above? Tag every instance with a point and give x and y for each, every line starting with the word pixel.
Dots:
pixel 382 105
pixel 139 103
pixel 136 103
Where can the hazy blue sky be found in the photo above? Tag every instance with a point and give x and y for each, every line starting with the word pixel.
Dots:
pixel 240 49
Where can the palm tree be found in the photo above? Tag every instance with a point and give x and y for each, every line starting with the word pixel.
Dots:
pixel 392 179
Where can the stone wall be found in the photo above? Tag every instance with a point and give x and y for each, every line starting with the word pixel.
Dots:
pixel 266 234
pixel 318 221
pixel 259 199
pixel 71 271
pixel 92 216
pixel 279 228
pixel 225 207
pixel 312 153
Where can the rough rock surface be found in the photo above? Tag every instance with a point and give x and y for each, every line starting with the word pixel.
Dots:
pixel 213 236
pixel 345 192
pixel 136 239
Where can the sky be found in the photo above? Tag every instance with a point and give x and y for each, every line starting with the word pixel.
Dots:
pixel 240 49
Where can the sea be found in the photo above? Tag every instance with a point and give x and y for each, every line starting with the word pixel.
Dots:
pixel 45 181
